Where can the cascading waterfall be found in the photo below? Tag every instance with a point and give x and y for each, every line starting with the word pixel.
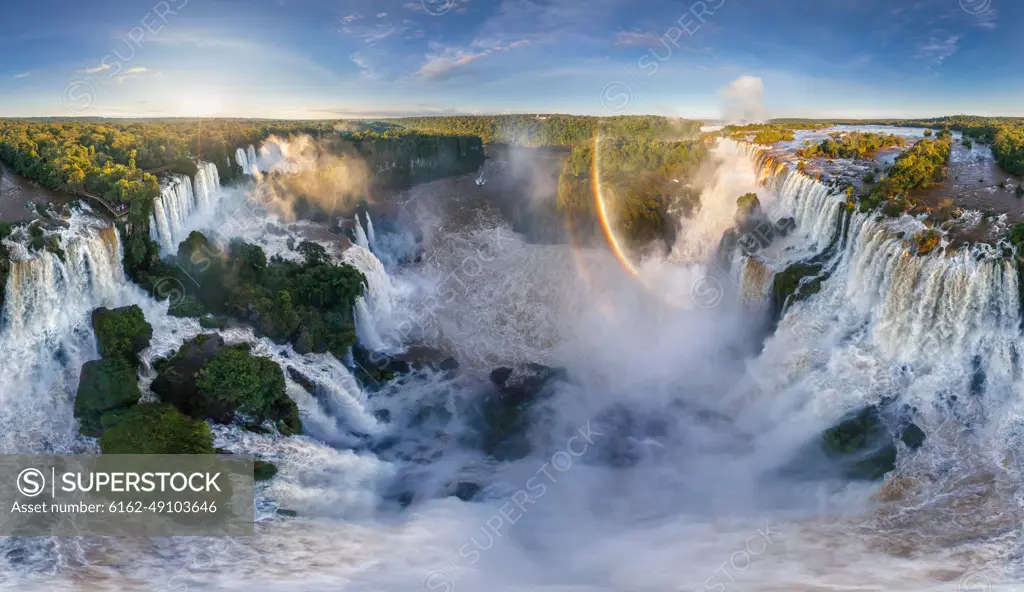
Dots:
pixel 932 307
pixel 242 160
pixel 247 160
pixel 361 238
pixel 45 335
pixel 755 280
pixel 207 185
pixel 182 200
pixel 375 322
pixel 170 210
pixel 813 205
pixel 371 235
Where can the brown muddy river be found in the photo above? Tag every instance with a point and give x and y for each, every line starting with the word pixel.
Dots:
pixel 16 191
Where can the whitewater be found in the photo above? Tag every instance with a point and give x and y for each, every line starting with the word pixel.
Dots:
pixel 664 464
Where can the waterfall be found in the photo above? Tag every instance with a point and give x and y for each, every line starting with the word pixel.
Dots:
pixel 247 160
pixel 180 202
pixel 242 160
pixel 207 185
pixel 175 204
pixel 936 306
pixel 375 323
pixel 755 280
pixel 371 235
pixel 361 238
pixel 366 329
pixel 45 335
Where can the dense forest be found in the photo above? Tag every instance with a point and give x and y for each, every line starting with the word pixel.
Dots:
pixel 554 130
pixel 641 181
pixel 850 145
pixel 110 159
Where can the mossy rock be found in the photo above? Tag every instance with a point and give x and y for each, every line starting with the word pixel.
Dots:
pixel 797 282
pixel 121 332
pixel 176 381
pixel 187 306
pixel 505 413
pixel 154 428
pixel 263 470
pixel 254 385
pixel 104 386
pixel 211 322
pixel 864 444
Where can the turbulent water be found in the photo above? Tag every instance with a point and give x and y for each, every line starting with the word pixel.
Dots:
pixel 714 422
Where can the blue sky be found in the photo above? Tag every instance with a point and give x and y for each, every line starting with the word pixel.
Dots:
pixel 376 58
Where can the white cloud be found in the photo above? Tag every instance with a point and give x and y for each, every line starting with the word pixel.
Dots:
pixel 23 75
pixel 445 59
pixel 635 39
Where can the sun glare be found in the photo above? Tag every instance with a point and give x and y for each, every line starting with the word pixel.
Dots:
pixel 201 106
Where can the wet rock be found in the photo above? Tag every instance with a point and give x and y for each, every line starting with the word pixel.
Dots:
pixel 913 436
pixel 505 411
pixel 466 491
pixel 105 386
pixel 622 437
pixel 263 470
pixel 449 365
pixel 176 382
pixel 863 445
pixel 121 332
pixel 304 381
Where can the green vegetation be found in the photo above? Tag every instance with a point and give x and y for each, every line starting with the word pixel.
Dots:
pixel 109 386
pixel 207 379
pixel 153 428
pixel 263 470
pixel 554 130
pixel 919 167
pixel 640 180
pixel 850 145
pixel 121 332
pixel 104 388
pixel 249 384
pixel 764 133
pixel 795 283
pixel 927 240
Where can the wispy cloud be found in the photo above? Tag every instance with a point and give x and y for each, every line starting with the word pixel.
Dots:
pixel 136 72
pixel 366 69
pixel 939 49
pixel 355 16
pixel 442 60
pixel 635 39
pixel 988 19
pixel 23 75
